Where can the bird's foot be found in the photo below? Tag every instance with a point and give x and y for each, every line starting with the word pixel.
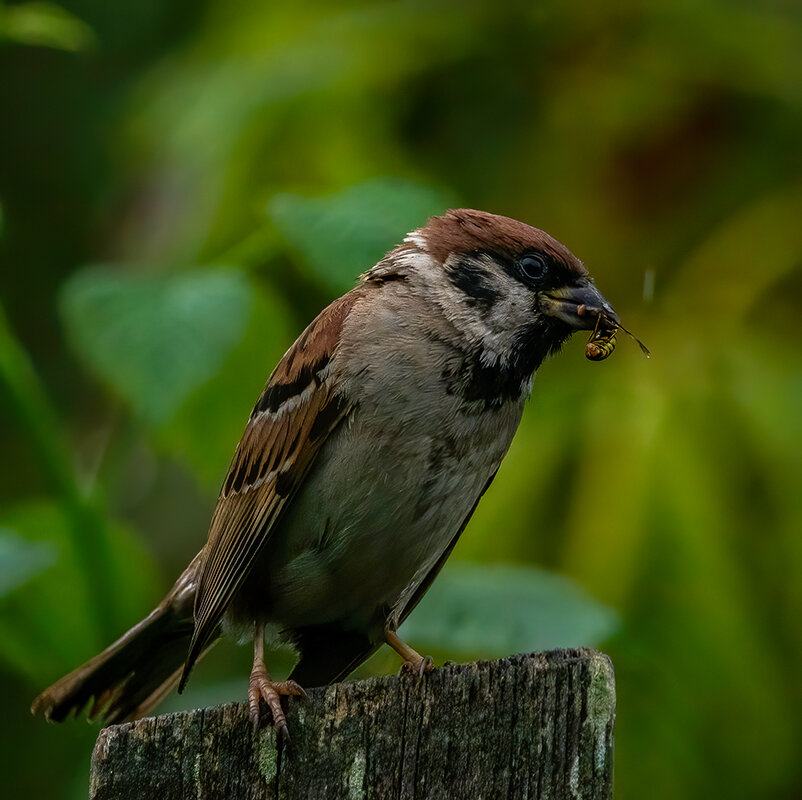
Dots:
pixel 414 662
pixel 417 666
pixel 263 687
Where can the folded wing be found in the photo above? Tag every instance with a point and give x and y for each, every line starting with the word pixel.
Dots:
pixel 297 411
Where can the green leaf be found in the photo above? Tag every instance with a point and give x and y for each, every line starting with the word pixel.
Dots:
pixel 221 407
pixel 341 235
pixel 46 25
pixel 477 610
pixel 154 339
pixel 21 560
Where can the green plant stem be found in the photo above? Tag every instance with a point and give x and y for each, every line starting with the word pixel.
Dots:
pixel 87 526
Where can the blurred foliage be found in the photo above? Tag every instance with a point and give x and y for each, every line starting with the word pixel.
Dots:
pixel 150 337
pixel 498 609
pixel 51 619
pixel 21 559
pixel 337 235
pixel 46 25
pixel 234 166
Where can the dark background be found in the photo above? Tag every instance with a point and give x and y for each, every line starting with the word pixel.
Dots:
pixel 184 185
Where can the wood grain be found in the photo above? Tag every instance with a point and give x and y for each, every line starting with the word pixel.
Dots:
pixel 529 726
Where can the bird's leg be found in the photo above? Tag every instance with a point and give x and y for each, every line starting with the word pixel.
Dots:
pixel 263 687
pixel 414 662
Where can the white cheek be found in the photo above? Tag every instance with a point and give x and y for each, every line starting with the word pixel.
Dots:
pixel 515 309
pixel 495 328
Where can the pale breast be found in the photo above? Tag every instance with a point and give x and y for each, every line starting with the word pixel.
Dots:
pixel 392 485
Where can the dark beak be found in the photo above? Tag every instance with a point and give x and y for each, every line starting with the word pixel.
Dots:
pixel 579 306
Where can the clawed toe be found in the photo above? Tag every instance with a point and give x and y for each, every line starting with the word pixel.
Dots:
pixel 414 663
pixel 282 731
pixel 290 688
pixel 263 689
pixel 417 667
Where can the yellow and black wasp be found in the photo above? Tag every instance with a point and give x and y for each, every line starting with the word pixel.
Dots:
pixel 602 341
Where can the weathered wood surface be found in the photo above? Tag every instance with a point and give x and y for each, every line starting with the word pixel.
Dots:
pixel 531 726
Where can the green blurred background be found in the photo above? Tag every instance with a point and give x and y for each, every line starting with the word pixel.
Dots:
pixel 184 185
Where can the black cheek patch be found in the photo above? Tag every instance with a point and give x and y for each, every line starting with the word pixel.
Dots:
pixel 474 282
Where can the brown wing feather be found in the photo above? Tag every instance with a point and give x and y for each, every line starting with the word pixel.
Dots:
pixel 295 414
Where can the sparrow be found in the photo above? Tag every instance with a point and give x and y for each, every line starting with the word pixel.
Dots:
pixel 363 460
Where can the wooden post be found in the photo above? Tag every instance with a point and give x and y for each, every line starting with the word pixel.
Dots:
pixel 530 726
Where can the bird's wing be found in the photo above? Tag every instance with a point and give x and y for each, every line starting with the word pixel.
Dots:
pixel 295 414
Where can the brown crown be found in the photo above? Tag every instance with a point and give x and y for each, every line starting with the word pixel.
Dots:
pixel 465 230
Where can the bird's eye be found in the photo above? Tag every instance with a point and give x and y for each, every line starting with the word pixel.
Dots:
pixel 534 266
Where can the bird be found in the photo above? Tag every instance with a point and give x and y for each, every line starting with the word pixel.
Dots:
pixel 362 461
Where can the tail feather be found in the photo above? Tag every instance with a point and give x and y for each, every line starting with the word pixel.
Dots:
pixel 133 675
pixel 329 653
pixel 128 678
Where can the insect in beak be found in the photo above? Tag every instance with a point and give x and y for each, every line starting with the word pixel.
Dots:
pixel 602 341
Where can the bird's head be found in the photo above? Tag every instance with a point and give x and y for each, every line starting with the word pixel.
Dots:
pixel 514 292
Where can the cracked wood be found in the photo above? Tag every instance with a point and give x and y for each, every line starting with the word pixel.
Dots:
pixel 529 726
